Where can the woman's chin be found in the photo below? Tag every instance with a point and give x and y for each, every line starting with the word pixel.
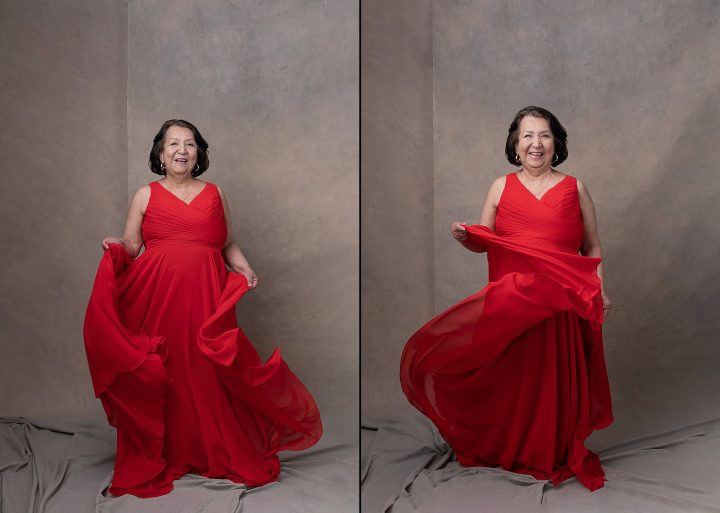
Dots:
pixel 537 165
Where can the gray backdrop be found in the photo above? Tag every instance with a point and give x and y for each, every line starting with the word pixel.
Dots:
pixel 637 86
pixel 271 85
pixel 397 288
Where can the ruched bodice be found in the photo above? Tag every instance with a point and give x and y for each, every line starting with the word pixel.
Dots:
pixel 554 221
pixel 201 222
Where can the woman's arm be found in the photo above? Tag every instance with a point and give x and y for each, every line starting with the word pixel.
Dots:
pixel 132 238
pixel 591 241
pixel 487 216
pixel 231 252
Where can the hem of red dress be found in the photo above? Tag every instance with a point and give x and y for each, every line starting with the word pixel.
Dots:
pixel 270 464
pixel 593 480
pixel 156 492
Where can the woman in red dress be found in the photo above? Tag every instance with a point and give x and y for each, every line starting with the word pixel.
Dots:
pixel 514 375
pixel 179 380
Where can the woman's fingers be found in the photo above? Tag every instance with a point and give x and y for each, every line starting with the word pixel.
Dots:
pixel 459 231
pixel 252 280
pixel 107 241
pixel 607 306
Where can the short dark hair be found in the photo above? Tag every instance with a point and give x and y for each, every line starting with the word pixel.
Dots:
pixel 203 161
pixel 559 134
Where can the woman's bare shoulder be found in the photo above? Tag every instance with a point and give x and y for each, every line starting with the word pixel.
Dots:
pixel 143 191
pixel 582 189
pixel 495 191
pixel 141 198
pixel 498 185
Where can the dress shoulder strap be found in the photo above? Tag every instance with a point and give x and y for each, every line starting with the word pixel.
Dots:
pixel 511 178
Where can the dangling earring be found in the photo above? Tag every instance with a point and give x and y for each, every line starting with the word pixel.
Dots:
pixel 162 166
pixel 517 158
pixel 196 168
pixel 556 158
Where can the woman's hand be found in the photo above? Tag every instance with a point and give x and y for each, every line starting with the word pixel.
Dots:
pixel 237 263
pixel 607 305
pixel 116 240
pixel 251 278
pixel 459 232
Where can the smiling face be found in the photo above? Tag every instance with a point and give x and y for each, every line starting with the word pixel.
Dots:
pixel 179 153
pixel 536 144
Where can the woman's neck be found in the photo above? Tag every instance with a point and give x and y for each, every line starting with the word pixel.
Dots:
pixel 178 181
pixel 537 174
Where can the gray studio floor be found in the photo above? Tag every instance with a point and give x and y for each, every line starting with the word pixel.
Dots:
pixel 50 467
pixel 661 455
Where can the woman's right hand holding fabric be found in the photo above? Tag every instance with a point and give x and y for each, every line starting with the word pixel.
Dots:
pixel 458 231
pixel 107 241
pixel 460 234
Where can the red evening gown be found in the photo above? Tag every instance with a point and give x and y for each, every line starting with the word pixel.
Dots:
pixel 514 375
pixel 179 380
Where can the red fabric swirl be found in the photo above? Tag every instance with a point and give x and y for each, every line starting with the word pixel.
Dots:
pixel 514 375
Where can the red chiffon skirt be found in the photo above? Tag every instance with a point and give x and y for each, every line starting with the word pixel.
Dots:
pixel 514 375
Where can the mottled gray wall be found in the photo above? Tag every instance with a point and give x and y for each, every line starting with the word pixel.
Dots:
pixel 274 88
pixel 637 85
pixel 64 187
pixel 397 191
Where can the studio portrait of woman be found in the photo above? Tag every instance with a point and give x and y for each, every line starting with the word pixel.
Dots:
pixel 177 377
pixel 420 256
pixel 514 376
pixel 185 200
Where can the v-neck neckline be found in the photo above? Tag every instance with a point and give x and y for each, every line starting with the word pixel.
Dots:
pixel 180 200
pixel 545 193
